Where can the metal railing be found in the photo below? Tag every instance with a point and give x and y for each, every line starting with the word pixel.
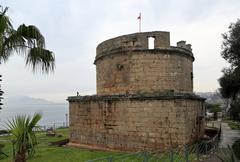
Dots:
pixel 52 126
pixel 189 153
pixel 196 152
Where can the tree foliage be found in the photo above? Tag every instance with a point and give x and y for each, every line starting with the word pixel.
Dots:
pixel 230 81
pixel 213 108
pixel 235 110
pixel 231 45
pixel 26 41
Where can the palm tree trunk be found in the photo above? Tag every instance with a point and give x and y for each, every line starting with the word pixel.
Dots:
pixel 20 156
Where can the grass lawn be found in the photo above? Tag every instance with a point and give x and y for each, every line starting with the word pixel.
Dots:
pixel 46 153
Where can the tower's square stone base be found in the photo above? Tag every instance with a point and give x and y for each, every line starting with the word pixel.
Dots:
pixel 134 123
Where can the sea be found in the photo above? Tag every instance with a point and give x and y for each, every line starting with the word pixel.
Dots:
pixel 53 115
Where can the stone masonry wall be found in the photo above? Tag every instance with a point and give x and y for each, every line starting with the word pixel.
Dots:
pixel 145 71
pixel 132 125
pixel 126 65
pixel 134 41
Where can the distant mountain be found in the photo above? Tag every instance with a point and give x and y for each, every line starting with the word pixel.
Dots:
pixel 211 97
pixel 26 100
pixel 53 113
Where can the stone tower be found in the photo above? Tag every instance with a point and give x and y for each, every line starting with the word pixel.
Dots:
pixel 144 96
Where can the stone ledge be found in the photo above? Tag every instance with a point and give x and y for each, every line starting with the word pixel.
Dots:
pixel 167 50
pixel 90 147
pixel 139 97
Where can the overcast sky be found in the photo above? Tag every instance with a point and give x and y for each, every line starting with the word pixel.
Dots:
pixel 73 29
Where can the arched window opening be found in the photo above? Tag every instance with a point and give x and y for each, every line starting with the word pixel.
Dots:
pixel 151 42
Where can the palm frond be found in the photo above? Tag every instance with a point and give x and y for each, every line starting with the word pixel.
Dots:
pixel 40 58
pixel 5 22
pixel 32 34
pixel 35 120
pixel 5 30
pixel 27 41
pixel 13 43
pixel 21 128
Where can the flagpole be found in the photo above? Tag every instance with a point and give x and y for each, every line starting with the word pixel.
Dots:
pixel 140 18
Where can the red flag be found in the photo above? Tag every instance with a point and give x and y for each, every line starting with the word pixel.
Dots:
pixel 139 17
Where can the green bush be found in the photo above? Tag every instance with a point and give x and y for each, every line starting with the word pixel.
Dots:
pixel 234 125
pixel 236 148
pixel 214 108
pixel 3 132
pixel 235 110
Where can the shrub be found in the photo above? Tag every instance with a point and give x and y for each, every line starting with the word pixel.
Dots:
pixel 236 148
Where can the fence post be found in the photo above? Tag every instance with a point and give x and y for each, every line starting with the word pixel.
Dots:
pixel 186 153
pixel 171 155
pixel 110 159
pixel 205 148
pixel 197 145
pixel 145 156
pixel 220 131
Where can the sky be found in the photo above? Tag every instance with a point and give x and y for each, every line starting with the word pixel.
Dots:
pixel 74 28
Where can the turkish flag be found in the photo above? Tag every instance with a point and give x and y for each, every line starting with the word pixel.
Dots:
pixel 139 17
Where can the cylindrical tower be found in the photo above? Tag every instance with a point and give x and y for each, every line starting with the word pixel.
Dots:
pixel 130 112
pixel 127 65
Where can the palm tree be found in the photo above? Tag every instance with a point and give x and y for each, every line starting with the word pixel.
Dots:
pixel 21 127
pixel 26 41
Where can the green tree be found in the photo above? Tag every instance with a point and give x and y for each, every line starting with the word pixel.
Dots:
pixel 26 41
pixel 214 108
pixel 235 110
pixel 21 127
pixel 231 45
pixel 230 81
